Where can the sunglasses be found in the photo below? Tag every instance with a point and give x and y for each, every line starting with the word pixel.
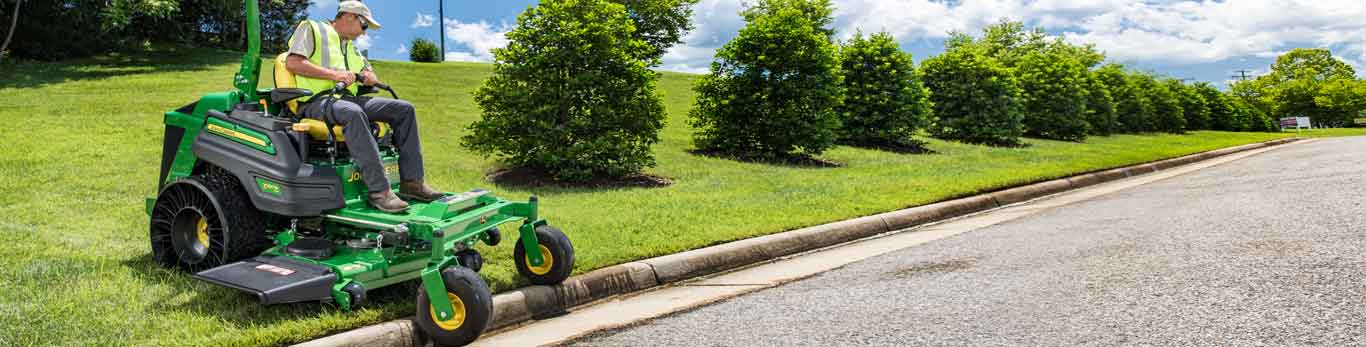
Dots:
pixel 364 24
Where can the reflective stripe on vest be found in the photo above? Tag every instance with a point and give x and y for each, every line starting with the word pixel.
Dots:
pixel 327 47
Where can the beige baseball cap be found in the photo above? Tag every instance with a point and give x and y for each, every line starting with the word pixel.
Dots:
pixel 353 6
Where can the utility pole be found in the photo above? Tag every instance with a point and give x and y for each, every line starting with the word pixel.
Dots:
pixel 441 26
pixel 1242 75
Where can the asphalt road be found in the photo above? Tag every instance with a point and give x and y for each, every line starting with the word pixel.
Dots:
pixel 1264 251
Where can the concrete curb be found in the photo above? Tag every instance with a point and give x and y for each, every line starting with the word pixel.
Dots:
pixel 538 302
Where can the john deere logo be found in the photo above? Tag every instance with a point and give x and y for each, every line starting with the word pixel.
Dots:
pixel 390 169
pixel 355 176
pixel 268 187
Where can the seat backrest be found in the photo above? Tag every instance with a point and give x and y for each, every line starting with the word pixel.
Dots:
pixel 285 79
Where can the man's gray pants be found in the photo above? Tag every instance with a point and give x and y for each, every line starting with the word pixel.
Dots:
pixel 355 115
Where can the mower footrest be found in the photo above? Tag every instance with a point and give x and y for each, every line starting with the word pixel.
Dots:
pixel 275 280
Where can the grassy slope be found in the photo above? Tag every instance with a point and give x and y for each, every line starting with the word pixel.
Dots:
pixel 83 145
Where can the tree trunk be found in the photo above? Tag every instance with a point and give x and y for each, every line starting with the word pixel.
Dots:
pixel 14 23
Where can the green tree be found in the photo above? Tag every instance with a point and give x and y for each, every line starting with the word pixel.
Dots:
pixel 1255 93
pixel 1342 100
pixel 1193 104
pixel 90 27
pixel 1131 103
pixel 1053 85
pixel 1167 113
pixel 1252 117
pixel 1298 77
pixel 1052 75
pixel 976 99
pixel 423 51
pixel 1222 112
pixel 1101 108
pixel 773 90
pixel 1006 41
pixel 570 95
pixel 886 103
pixel 660 23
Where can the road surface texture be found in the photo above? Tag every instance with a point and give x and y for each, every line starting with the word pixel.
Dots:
pixel 1269 250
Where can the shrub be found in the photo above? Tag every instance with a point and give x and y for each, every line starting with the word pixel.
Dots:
pixel 975 98
pixel 1167 113
pixel 660 23
pixel 1223 115
pixel 1053 86
pixel 772 91
pixel 885 101
pixel 570 95
pixel 1193 104
pixel 1101 111
pixel 1131 105
pixel 423 51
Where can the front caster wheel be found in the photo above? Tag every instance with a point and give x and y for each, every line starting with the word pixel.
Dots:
pixel 557 253
pixel 472 304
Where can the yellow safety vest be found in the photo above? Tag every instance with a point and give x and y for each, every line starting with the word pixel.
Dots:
pixel 330 52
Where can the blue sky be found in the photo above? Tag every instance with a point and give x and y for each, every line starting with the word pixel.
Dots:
pixel 1201 40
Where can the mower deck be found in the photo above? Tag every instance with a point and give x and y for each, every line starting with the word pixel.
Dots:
pixel 370 249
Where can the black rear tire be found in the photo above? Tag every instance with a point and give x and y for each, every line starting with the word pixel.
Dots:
pixel 473 306
pixel 557 251
pixel 205 221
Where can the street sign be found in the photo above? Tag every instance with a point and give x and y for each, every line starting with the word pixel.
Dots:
pixel 1295 122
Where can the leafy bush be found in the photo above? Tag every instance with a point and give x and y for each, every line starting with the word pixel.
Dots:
pixel 1053 86
pixel 89 27
pixel 570 94
pixel 1131 104
pixel 1101 111
pixel 1193 104
pixel 772 91
pixel 1254 118
pixel 660 23
pixel 975 98
pixel 1167 113
pixel 1223 113
pixel 423 51
pixel 885 101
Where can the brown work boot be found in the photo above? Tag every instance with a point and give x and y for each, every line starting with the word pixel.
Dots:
pixel 388 202
pixel 417 190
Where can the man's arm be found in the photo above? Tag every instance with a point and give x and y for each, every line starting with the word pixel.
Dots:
pixel 369 73
pixel 299 65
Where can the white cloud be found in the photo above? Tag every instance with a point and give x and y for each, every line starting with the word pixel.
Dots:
pixel 479 38
pixel 1164 32
pixel 463 56
pixel 402 48
pixel 423 20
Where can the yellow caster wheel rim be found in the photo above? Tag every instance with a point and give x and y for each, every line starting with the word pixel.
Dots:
pixel 547 263
pixel 456 320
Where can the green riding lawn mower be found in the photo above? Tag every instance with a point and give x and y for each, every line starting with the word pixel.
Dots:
pixel 254 197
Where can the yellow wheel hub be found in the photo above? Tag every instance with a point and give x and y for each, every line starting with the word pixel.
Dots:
pixel 457 319
pixel 546 264
pixel 202 230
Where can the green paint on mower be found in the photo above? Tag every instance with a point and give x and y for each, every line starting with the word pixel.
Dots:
pixel 248 203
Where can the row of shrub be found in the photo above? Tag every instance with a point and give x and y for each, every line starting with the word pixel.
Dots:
pixel 572 93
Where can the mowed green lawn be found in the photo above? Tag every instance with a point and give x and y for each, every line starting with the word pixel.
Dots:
pixel 82 145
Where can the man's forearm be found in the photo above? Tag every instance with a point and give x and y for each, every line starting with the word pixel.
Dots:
pixel 299 65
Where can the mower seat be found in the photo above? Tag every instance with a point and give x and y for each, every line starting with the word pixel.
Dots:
pixel 316 129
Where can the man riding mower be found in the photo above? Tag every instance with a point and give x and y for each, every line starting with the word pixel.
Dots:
pixel 261 194
pixel 322 55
